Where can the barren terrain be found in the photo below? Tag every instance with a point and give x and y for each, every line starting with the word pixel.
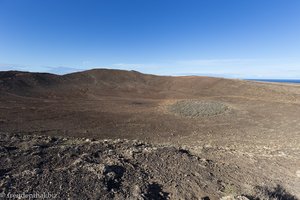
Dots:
pixel 166 137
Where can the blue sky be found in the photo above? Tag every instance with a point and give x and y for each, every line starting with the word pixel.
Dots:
pixel 229 38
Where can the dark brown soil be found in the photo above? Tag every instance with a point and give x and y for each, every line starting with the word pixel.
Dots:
pixel 254 144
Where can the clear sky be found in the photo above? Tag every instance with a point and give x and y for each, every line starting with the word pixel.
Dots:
pixel 230 38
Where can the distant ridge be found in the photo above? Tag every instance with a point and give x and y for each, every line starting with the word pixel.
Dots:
pixel 95 83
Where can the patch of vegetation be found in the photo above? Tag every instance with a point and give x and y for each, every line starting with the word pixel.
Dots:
pixel 276 193
pixel 230 189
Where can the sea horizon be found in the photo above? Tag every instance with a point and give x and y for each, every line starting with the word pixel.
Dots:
pixel 297 81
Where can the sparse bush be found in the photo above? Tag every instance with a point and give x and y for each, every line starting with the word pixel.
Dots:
pixel 268 193
pixel 230 189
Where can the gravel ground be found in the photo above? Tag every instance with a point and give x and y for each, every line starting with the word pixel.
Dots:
pixel 67 168
pixel 193 108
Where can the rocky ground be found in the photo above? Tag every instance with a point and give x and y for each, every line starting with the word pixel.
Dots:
pixel 194 108
pixel 72 168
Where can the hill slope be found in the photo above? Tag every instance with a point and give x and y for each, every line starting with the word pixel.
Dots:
pixel 103 82
pixel 246 132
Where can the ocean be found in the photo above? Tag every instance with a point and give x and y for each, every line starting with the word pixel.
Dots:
pixel 297 81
